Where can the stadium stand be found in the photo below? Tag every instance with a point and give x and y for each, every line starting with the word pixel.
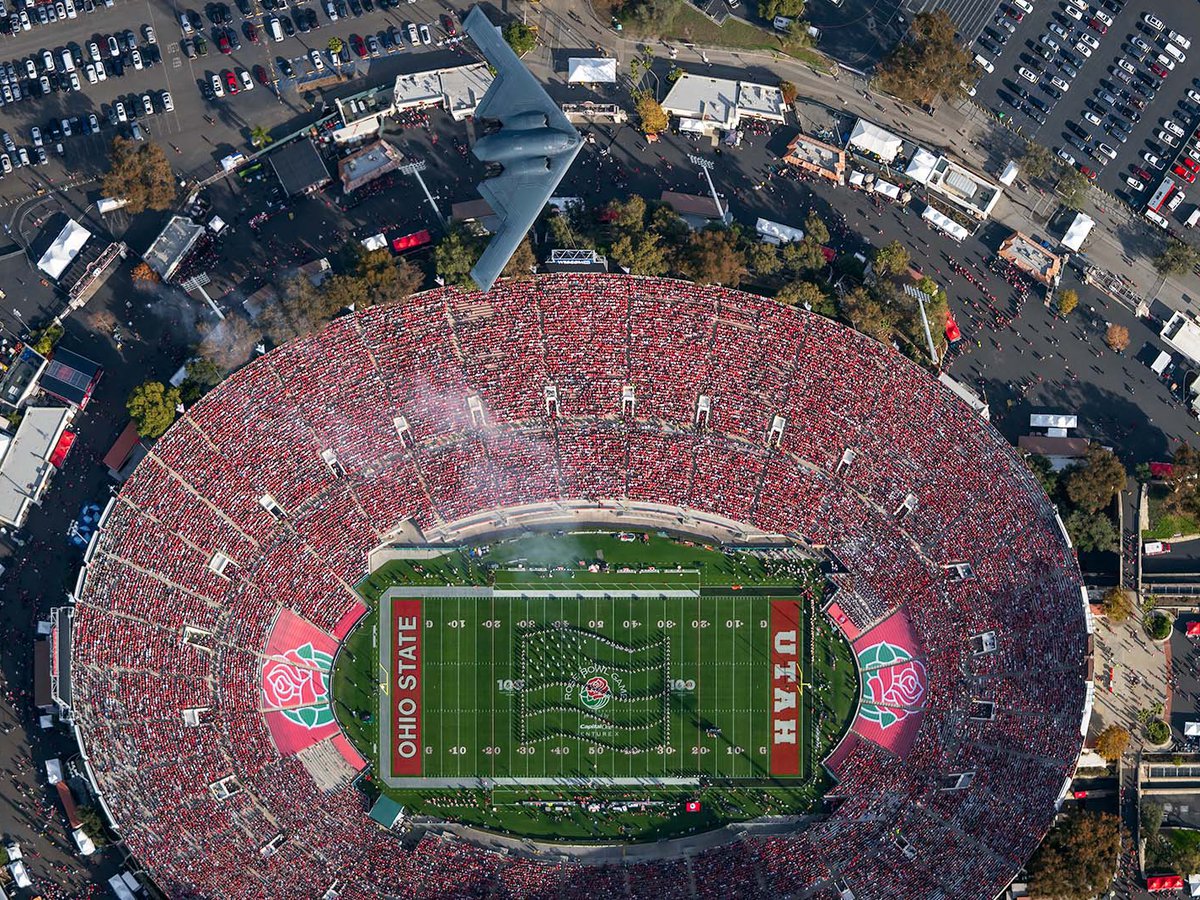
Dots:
pixel 193 570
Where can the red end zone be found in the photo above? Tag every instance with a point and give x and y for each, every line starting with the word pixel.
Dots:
pixel 406 687
pixel 785 687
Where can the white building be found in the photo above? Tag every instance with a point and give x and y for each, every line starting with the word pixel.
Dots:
pixel 705 105
pixel 25 466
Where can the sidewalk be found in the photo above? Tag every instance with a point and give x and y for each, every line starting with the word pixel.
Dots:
pixel 1121 242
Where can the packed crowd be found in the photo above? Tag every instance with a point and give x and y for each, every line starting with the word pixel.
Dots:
pixel 437 409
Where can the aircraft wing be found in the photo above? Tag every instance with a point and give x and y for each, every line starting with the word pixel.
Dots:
pixel 514 89
pixel 517 199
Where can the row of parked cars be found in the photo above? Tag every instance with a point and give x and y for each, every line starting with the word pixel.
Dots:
pixel 65 68
pixel 25 15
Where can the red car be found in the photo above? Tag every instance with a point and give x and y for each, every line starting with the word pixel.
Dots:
pixel 1158 70
pixel 1186 174
pixel 251 32
pixel 448 24
pixel 1141 174
pixel 1098 26
pixel 1089 174
pixel 223 42
pixel 1015 14
pixel 359 45
pixel 1191 164
pixel 261 76
pixel 231 82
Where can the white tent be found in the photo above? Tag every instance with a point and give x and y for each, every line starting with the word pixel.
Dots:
pixel 64 249
pixel 591 70
pixel 1191 729
pixel 1078 232
pixel 375 242
pixel 1009 175
pixel 1193 885
pixel 921 167
pixel 777 232
pixel 945 223
pixel 887 189
pixel 873 139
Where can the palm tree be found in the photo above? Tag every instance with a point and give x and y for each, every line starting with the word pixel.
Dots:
pixel 259 136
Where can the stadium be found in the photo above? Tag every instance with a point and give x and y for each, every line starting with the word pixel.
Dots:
pixel 343 504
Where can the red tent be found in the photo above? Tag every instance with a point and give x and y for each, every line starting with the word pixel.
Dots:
pixel 952 332
pixel 62 448
pixel 1164 883
pixel 1193 629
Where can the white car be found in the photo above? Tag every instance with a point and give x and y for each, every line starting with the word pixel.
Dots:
pixel 1193 96
pixel 90 71
pixel 1176 199
pixel 215 83
pixel 1090 41
pixel 1050 42
pixel 1101 16
pixel 1173 127
pixel 247 81
pixel 1153 21
pixel 94 51
pixel 426 37
pixel 1024 6
pixel 413 37
pixel 136 56
pixel 1165 61
pixel 147 106
pixel 1078 4
pixel 74 79
pixel 1127 66
pixel 1092 117
pixel 1083 49
pixel 1140 44
pixel 30 68
pixel 1058 29
pixel 317 62
pixel 149 33
pixel 1027 75
pixel 1061 84
pixel 167 102
pixel 1179 39
pixel 1135 184
pixel 6 164
pixel 1106 150
pixel 1169 139
pixel 122 116
pixel 1073 12
pixel 114 49
pixel 1152 160
pixel 1065 156
pixel 1175 53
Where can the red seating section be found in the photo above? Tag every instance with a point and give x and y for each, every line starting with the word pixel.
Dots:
pixel 894 830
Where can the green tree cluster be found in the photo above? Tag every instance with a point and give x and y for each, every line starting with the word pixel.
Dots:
pixel 1077 859
pixel 1093 484
pixel 152 406
pixel 1177 258
pixel 521 37
pixel 139 173
pixel 929 64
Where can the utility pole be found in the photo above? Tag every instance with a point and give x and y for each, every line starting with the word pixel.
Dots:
pixel 416 168
pixel 705 165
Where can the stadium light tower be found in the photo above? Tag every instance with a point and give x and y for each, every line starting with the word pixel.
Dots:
pixel 922 298
pixel 197 283
pixel 705 165
pixel 416 168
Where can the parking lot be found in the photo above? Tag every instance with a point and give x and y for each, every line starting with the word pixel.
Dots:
pixel 1125 113
pixel 152 56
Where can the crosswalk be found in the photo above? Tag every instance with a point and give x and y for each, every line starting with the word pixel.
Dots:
pixel 969 15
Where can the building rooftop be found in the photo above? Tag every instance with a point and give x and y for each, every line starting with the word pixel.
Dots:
pixel 172 245
pixel 367 164
pixel 299 166
pixel 706 99
pixel 1031 257
pixel 818 156
pixel 25 464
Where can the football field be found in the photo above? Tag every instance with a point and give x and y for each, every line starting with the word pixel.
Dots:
pixel 627 684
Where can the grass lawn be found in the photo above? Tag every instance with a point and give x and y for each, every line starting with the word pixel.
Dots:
pixel 693 27
pixel 1163 526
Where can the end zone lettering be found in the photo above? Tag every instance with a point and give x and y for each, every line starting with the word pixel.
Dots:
pixel 406 687
pixel 785 687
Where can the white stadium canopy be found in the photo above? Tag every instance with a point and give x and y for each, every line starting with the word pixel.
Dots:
pixel 591 70
pixel 64 249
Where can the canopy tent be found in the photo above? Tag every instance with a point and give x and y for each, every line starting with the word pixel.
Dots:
pixel 945 224
pixel 1194 885
pixel 952 331
pixel 1191 729
pixel 1009 175
pixel 591 70
pixel 1080 228
pixel 887 189
pixel 777 232
pixel 64 249
pixel 857 179
pixel 868 137
pixel 1193 629
pixel 1155 883
pixel 921 167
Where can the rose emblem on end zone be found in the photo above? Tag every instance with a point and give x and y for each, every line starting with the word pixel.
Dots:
pixel 595 693
pixel 900 685
pixel 287 684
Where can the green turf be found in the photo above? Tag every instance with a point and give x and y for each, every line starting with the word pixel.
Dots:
pixel 470 709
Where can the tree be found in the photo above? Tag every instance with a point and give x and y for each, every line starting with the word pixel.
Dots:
pixel 202 376
pixel 1067 301
pixel 1117 337
pixel 1091 531
pixel 335 45
pixel 259 136
pixel 763 259
pixel 1177 258
pixel 628 214
pixel 521 37
pixel 865 312
pixel 815 228
pixel 789 92
pixel 1112 742
pixel 1158 732
pixel 139 173
pixel 808 295
pixel 1158 625
pixel 1094 483
pixel 1043 471
pixel 143 272
pixel 1072 188
pixel 642 253
pixel 802 256
pixel 384 278
pixel 650 113
pixel 1152 819
pixel 712 257
pixel 1118 605
pixel 792 9
pixel 300 309
pixel 891 259
pixel 1077 859
pixel 151 405
pixel 929 64
pixel 455 256
pixel 1183 496
pixel 520 264
pixel 1037 161
pixel 650 16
